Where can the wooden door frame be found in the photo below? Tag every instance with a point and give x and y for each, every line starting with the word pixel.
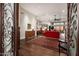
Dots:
pixel 68 32
pixel 1 28
pixel 78 30
pixel 16 33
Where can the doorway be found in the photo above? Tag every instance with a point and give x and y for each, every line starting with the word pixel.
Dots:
pixel 15 35
pixel 29 24
pixel 69 38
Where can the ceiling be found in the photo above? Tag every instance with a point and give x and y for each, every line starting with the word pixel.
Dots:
pixel 46 11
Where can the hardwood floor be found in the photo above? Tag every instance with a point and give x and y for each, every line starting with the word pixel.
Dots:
pixel 30 49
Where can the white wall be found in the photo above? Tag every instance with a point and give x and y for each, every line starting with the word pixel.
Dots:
pixel 26 18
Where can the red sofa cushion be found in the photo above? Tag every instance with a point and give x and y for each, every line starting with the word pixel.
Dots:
pixel 52 34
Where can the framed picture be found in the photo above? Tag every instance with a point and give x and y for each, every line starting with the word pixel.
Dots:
pixel 28 26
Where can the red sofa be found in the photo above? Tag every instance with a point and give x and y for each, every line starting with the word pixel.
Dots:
pixel 53 37
pixel 52 34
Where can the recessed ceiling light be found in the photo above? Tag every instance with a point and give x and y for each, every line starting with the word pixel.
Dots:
pixel 63 11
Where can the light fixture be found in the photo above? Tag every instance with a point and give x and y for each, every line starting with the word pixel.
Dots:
pixel 63 11
pixel 55 19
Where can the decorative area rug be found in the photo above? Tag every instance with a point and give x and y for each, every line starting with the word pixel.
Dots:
pixel 45 42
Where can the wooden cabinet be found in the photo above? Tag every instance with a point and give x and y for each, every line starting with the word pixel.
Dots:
pixel 29 35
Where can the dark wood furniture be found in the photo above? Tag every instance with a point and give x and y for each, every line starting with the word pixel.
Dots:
pixel 29 35
pixel 1 28
pixel 16 39
pixel 40 32
pixel 63 45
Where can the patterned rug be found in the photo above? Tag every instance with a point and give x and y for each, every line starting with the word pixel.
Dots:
pixel 46 42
